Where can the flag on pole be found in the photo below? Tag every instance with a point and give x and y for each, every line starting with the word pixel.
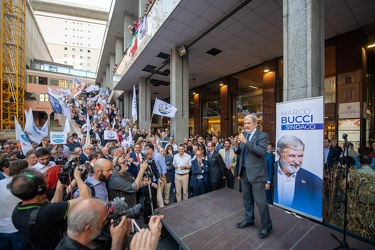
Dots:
pixel 45 128
pixel 134 105
pixel 65 91
pixel 22 138
pixel 164 109
pixel 53 92
pixel 67 126
pixel 133 45
pixel 80 84
pixel 88 128
pixel 57 106
pixel 32 130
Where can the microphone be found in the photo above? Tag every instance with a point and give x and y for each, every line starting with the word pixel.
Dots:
pixel 242 132
pixel 344 136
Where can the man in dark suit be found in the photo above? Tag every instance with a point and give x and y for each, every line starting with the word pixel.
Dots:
pixel 135 159
pixel 330 154
pixel 87 150
pixel 303 189
pixel 216 166
pixel 218 145
pixel 199 174
pixel 252 172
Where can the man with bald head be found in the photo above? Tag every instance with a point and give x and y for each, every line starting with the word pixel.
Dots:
pixel 86 221
pixel 102 174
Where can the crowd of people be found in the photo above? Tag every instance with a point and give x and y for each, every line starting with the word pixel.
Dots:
pixel 139 166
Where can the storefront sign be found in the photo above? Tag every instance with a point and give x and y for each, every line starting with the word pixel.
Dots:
pixel 349 110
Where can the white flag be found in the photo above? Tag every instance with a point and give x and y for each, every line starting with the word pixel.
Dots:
pixel 22 138
pixel 164 109
pixel 32 130
pixel 92 87
pixel 67 125
pixel 65 91
pixel 80 84
pixel 88 128
pixel 45 128
pixel 134 105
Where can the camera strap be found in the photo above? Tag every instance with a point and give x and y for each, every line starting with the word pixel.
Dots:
pixel 32 220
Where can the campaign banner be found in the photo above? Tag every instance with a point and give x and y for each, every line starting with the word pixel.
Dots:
pixel 58 137
pixel 110 135
pixel 298 179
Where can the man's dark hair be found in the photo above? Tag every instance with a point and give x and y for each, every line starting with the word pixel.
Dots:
pixel 17 166
pixel 42 152
pixel 26 184
pixel 364 151
pixel 228 140
pixel 149 145
pixel 365 160
pixel 181 145
pixel 6 163
pixel 93 156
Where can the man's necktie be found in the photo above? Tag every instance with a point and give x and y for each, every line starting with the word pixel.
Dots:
pixel 138 158
pixel 245 151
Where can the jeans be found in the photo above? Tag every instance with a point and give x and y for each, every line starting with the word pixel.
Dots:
pixel 11 241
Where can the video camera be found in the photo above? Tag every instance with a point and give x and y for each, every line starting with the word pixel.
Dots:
pixel 67 172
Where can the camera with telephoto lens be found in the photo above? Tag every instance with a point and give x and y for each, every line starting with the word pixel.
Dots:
pixel 118 208
pixel 148 173
pixel 67 172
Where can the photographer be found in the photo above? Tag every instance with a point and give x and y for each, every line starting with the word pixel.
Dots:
pixel 85 223
pixel 50 218
pixel 102 174
pixel 123 183
pixel 153 174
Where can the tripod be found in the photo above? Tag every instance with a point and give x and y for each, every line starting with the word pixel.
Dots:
pixel 343 242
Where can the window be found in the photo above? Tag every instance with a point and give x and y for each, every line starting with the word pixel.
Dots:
pixel 89 57
pixel 81 64
pixel 65 48
pixel 88 51
pixel 73 49
pixel 41 97
pixel 74 29
pixel 88 64
pixel 65 55
pixel 81 50
pixel 65 62
pixel 73 56
pixel 80 57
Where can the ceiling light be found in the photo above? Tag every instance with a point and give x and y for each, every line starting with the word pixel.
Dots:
pixel 221 84
pixel 266 69
pixel 182 51
pixel 253 87
pixel 371 45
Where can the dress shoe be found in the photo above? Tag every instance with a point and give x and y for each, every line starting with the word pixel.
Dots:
pixel 264 232
pixel 244 224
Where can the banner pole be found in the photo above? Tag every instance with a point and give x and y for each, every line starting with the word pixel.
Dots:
pixel 149 128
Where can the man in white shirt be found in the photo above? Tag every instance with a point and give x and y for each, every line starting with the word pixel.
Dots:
pixel 171 142
pixel 43 155
pixel 10 238
pixel 182 165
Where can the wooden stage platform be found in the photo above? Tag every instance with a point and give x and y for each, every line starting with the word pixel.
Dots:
pixel 209 222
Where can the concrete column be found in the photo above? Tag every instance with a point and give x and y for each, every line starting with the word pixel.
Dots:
pixel 179 95
pixel 118 103
pixel 144 107
pixel 108 77
pixel 103 82
pixel 303 42
pixel 128 104
pixel 128 20
pixel 111 65
pixel 118 50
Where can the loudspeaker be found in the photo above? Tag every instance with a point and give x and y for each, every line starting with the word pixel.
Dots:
pixel 41 189
pixel 117 167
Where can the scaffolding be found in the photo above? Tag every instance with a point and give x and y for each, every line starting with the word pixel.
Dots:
pixel 12 62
